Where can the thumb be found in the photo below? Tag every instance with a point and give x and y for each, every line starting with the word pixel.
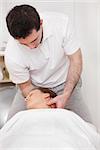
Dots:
pixel 59 104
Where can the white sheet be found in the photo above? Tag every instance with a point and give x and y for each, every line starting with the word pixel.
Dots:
pixel 45 129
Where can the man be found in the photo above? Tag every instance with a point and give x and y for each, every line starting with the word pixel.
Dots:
pixel 43 52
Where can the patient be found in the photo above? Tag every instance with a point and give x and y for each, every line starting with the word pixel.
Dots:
pixel 39 97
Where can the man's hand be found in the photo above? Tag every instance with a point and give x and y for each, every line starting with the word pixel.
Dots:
pixel 59 100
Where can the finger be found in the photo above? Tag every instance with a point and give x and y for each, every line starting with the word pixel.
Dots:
pixel 53 106
pixel 28 96
pixel 59 104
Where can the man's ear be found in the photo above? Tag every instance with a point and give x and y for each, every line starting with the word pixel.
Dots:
pixel 41 22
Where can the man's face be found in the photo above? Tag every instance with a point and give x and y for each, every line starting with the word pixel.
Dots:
pixel 34 39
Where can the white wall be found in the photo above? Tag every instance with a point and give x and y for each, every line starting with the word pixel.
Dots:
pixel 86 17
pixel 98 69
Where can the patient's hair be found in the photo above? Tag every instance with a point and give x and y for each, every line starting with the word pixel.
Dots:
pixel 47 90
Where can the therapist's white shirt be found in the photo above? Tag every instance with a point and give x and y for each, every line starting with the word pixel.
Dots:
pixel 46 65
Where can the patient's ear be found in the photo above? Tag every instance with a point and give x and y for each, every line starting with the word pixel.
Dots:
pixel 41 22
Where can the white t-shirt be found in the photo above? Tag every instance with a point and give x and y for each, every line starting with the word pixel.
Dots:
pixel 47 65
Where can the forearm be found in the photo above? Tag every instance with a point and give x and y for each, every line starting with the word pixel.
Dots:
pixel 26 88
pixel 74 74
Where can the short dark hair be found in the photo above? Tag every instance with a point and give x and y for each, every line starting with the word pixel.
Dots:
pixel 21 20
pixel 47 90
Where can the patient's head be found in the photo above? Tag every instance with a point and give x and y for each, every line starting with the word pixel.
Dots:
pixel 39 97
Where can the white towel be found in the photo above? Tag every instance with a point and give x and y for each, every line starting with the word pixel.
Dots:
pixel 48 129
